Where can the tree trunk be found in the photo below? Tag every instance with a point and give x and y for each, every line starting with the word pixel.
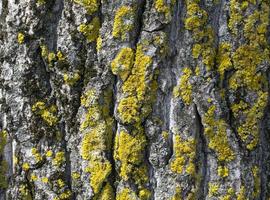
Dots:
pixel 134 99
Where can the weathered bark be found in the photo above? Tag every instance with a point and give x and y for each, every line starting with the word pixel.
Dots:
pixel 134 99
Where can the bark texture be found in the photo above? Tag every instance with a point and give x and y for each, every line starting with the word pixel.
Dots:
pixel 134 99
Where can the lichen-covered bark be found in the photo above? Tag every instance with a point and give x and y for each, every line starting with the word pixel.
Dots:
pixel 134 99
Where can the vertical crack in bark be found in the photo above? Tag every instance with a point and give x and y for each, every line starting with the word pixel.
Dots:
pixel 201 156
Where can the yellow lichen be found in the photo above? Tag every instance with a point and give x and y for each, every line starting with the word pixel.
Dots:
pixel 99 43
pixel 46 113
pixel 44 179
pixel 107 193
pixel 59 158
pixel 184 89
pixel 126 194
pixel 49 153
pixel 20 38
pixel 123 22
pixel 241 195
pixel 223 58
pixel 196 17
pixel 216 132
pixel 91 30
pixel 161 7
pixel 36 154
pixel 3 163
pixel 25 166
pixel 131 108
pixel 90 5
pixel 223 171
pixel 213 189
pixel 184 155
pixel 129 150
pixel 71 79
pixel 33 177
pixel 123 62
pixel 257 182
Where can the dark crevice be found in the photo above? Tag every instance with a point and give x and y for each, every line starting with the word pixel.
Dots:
pixel 201 156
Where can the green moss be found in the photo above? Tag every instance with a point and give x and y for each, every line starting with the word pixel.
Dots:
pixel 184 90
pixel 48 114
pixel 20 38
pixel 90 5
pixel 123 63
pixel 91 30
pixel 184 156
pixel 123 22
pixel 215 131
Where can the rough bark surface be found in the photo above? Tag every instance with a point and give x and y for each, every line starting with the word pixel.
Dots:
pixel 134 99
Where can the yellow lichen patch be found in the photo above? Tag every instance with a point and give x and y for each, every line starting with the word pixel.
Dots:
pixel 49 153
pixel 92 141
pixel 196 17
pixel 44 180
pixel 250 128
pixel 236 15
pixel 144 194
pixel 126 194
pixel 99 170
pixel 184 156
pixel 25 166
pixel 44 51
pixel 97 129
pixel 75 175
pixel 165 134
pixel 178 194
pixel 71 79
pixel 46 113
pixel 59 158
pixel 51 57
pixel 230 195
pixel 90 5
pixel 257 182
pixel 60 56
pixel 245 60
pixel 99 43
pixel 60 183
pixel 216 132
pixel 20 38
pixel 3 163
pixel 213 189
pixel 91 30
pixel 123 63
pixel 123 22
pixel 223 171
pixel 184 89
pixel 223 58
pixel 33 177
pixel 241 195
pixel 129 150
pixel 162 7
pixel 25 192
pixel 107 193
pixel 36 154
pixel 131 108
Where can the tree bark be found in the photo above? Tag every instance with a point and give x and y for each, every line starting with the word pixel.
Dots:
pixel 134 99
